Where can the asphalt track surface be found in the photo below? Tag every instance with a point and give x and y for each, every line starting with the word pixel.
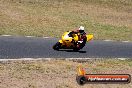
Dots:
pixel 23 47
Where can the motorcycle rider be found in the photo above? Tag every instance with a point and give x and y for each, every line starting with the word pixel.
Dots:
pixel 81 34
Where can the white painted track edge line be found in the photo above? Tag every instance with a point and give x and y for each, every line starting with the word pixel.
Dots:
pixel 126 41
pixel 46 37
pixel 29 36
pixel 52 37
pixel 6 35
pixel 48 59
pixel 108 40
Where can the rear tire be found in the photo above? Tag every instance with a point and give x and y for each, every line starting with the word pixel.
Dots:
pixel 57 46
pixel 76 49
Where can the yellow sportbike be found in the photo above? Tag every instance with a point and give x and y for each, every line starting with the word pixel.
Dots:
pixel 72 42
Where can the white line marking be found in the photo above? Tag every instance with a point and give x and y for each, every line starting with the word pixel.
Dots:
pixel 29 36
pixel 108 40
pixel 77 58
pixel 122 58
pixel 5 35
pixel 49 59
pixel 26 59
pixel 125 41
pixel 46 37
pixel 52 37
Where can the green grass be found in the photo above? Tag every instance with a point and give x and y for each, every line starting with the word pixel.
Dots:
pixel 106 19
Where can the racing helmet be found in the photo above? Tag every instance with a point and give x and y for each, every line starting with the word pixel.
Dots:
pixel 81 29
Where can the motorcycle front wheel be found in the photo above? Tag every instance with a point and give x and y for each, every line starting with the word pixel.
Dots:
pixel 57 46
pixel 81 80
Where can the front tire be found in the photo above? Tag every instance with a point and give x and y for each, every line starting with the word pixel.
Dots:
pixel 57 46
pixel 81 80
pixel 84 42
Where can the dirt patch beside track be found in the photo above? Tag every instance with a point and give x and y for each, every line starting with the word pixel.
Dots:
pixel 59 73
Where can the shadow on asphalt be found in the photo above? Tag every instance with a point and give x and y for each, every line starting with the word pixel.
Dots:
pixel 74 51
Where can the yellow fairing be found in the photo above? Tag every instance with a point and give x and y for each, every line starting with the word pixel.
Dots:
pixel 75 36
pixel 66 38
pixel 60 41
pixel 89 37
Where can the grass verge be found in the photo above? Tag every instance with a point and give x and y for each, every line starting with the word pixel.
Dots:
pixel 106 19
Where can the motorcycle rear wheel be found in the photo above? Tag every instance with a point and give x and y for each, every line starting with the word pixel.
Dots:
pixel 76 49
